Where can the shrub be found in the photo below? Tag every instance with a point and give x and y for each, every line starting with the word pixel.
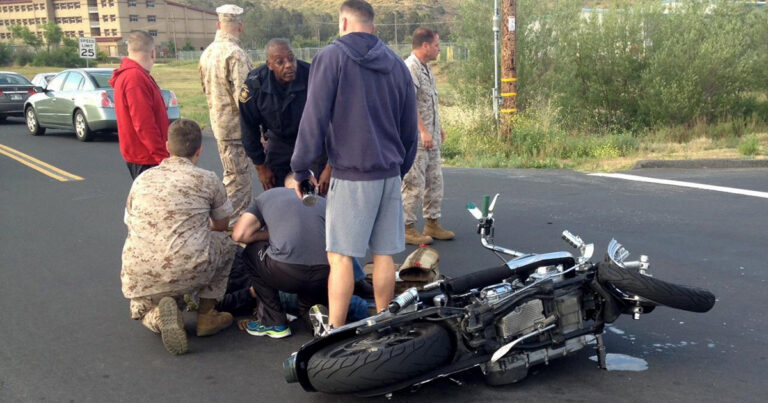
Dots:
pixel 24 57
pixel 6 55
pixel 749 146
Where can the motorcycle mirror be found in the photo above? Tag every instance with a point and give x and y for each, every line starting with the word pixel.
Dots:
pixel 474 211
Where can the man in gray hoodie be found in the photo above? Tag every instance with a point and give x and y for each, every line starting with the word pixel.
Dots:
pixel 361 108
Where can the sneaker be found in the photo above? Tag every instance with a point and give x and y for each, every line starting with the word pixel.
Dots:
pixel 276 332
pixel 318 316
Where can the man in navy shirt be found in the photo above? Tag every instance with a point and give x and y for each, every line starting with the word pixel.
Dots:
pixel 361 109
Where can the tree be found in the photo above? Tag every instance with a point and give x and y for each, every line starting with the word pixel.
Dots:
pixel 52 34
pixel 26 36
pixel 188 45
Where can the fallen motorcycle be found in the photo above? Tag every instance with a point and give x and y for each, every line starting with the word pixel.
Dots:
pixel 505 319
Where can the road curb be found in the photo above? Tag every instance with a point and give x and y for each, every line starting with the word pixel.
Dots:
pixel 703 163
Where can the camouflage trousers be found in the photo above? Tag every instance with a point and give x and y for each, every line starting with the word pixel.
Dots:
pixel 211 286
pixel 237 176
pixel 423 186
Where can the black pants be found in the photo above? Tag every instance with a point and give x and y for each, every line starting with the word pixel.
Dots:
pixel 136 169
pixel 268 277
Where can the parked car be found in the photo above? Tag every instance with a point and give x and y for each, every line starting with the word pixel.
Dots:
pixel 42 79
pixel 81 100
pixel 14 91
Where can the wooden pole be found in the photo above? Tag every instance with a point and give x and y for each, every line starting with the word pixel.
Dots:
pixel 508 62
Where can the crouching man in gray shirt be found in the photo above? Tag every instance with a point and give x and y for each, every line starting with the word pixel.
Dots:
pixel 293 260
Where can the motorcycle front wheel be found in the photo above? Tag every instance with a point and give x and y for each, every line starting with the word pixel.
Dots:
pixel 380 358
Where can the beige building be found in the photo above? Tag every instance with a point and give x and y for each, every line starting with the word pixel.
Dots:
pixel 108 20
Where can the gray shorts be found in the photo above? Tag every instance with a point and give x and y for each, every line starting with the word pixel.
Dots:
pixel 364 214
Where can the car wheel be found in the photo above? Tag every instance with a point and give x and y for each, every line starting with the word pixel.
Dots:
pixel 33 125
pixel 82 131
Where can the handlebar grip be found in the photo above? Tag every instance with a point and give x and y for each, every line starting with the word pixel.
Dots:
pixel 486 204
pixel 572 240
pixel 477 279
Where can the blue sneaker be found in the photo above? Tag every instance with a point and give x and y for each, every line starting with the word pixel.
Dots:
pixel 276 332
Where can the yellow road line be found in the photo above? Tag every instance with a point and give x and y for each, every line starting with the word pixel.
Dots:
pixel 40 166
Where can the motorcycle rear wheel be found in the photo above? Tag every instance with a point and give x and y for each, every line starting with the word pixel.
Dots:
pixel 658 291
pixel 379 359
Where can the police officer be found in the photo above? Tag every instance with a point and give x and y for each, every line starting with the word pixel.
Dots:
pixel 272 102
pixel 224 66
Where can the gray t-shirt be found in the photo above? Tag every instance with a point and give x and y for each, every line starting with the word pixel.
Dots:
pixel 296 232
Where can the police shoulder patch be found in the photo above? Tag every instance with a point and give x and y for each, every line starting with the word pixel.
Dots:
pixel 244 93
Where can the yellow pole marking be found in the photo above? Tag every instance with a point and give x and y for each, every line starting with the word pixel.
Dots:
pixel 508 94
pixel 511 110
pixel 508 80
pixel 40 166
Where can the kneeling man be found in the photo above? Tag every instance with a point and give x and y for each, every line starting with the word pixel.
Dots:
pixel 175 214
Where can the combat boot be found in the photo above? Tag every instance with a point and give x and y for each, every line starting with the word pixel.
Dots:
pixel 171 325
pixel 209 320
pixel 414 237
pixel 433 229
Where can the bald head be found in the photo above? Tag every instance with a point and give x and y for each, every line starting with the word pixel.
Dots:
pixel 275 45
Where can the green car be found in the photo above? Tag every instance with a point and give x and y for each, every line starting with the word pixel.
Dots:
pixel 80 100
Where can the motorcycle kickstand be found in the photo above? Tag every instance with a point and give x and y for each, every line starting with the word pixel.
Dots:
pixel 601 362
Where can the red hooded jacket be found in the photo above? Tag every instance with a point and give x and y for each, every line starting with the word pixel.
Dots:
pixel 142 119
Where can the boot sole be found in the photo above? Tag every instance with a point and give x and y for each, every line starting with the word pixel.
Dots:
pixel 172 331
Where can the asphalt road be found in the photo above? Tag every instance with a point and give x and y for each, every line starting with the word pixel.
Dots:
pixel 66 335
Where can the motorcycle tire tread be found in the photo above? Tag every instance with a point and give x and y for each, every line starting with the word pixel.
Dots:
pixel 661 292
pixel 385 366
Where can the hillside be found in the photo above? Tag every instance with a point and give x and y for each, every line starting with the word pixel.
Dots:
pixel 330 6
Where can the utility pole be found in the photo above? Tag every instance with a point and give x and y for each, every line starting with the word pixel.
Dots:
pixel 395 29
pixel 509 58
pixel 496 60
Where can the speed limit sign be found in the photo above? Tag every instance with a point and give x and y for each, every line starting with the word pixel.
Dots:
pixel 87 48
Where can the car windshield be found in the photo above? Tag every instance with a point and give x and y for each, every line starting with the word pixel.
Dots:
pixel 13 79
pixel 102 79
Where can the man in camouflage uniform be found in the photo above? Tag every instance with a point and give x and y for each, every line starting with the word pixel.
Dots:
pixel 423 184
pixel 224 65
pixel 175 213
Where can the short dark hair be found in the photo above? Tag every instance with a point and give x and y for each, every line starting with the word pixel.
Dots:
pixel 276 42
pixel 360 8
pixel 184 138
pixel 423 35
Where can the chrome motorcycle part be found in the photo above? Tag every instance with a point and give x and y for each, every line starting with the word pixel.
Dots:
pixel 494 293
pixel 569 312
pixel 501 352
pixel 402 301
pixel 514 367
pixel 522 319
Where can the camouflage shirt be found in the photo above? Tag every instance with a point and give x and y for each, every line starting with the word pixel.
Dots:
pixel 426 96
pixel 169 244
pixel 224 65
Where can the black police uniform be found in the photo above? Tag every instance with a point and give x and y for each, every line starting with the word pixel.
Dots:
pixel 268 107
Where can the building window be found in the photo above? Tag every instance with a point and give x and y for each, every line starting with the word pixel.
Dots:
pixel 77 5
pixel 105 18
pixel 131 3
pixel 79 19
pixel 153 32
pixel 55 6
pixel 1 22
pixel 151 18
pixel 114 32
pixel 133 18
pixel 112 17
pixel 111 3
pixel 42 6
pixel 80 34
pixel 5 9
pixel 150 4
pixel 103 4
pixel 45 20
pixel 106 32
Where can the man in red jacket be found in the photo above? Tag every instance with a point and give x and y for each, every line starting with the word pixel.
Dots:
pixel 142 121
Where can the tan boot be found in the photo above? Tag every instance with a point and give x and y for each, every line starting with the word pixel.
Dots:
pixel 209 320
pixel 171 325
pixel 414 237
pixel 433 229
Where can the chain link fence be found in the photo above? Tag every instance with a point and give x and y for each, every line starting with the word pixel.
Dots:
pixel 448 52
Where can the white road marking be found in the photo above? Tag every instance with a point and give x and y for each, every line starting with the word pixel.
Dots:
pixel 691 185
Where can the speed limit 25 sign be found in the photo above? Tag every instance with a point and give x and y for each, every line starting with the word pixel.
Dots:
pixel 87 48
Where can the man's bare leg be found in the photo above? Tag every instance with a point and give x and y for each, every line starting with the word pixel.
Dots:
pixel 341 285
pixel 383 280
